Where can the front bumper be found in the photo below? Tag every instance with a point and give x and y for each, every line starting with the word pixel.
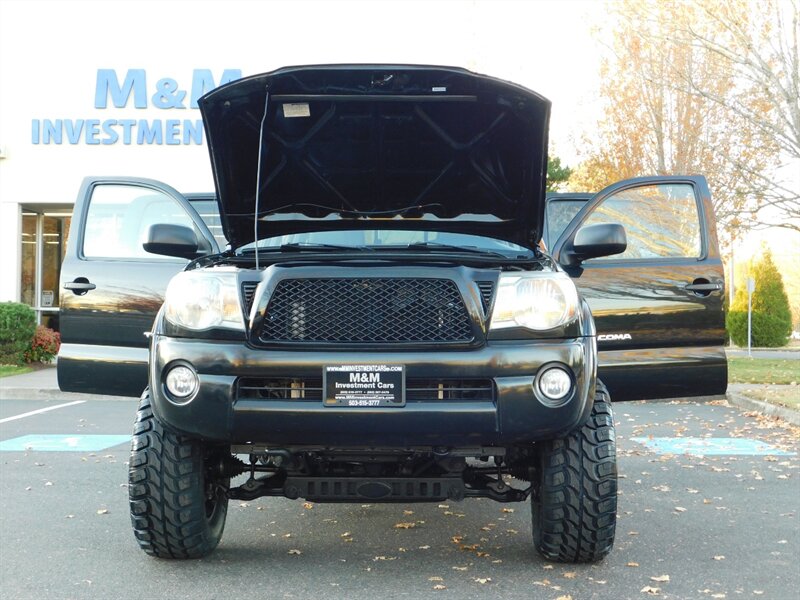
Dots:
pixel 513 416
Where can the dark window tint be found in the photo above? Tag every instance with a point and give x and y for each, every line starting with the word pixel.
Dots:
pixel 559 214
pixel 661 221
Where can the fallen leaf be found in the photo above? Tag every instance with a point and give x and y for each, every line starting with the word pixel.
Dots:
pixel 569 575
pixel 287 535
pixel 377 558
pixel 48 483
pixel 719 557
pixel 547 567
pixel 459 568
pixel 544 582
pixel 102 511
pixel 567 597
pixel 435 579
pixel 660 578
pixel 633 533
pixel 243 505
pixel 70 516
pixel 653 591
pixel 680 509
pixel 425 547
pixel 632 564
pixel 405 525
pixel 439 586
pixel 408 512
pixel 308 505
pixel 294 551
pixel 482 580
pixel 444 506
pixel 507 510
pixel 345 534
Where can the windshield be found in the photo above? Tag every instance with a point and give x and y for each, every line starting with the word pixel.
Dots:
pixel 391 239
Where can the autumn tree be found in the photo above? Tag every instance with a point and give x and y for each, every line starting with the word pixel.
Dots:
pixel 761 49
pixel 654 124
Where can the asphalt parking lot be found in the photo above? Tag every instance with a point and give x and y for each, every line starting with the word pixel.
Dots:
pixel 718 522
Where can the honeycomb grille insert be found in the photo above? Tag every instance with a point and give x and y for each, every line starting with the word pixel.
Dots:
pixel 366 311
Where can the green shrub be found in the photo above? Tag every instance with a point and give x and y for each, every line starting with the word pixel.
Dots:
pixel 772 319
pixel 769 331
pixel 17 327
pixel 44 346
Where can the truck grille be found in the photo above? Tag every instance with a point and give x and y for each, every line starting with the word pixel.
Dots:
pixel 366 311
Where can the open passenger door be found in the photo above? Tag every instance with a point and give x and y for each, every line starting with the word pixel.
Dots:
pixel 658 306
pixel 113 287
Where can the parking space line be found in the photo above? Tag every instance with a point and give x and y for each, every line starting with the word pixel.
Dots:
pixel 41 410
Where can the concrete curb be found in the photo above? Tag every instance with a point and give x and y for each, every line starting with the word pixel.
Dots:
pixel 765 408
pixel 49 394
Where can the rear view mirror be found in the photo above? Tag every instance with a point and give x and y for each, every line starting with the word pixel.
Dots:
pixel 171 240
pixel 593 241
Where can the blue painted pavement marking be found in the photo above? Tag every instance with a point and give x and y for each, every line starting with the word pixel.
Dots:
pixel 710 446
pixel 63 443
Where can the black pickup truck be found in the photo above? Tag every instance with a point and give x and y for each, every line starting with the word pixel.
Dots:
pixel 389 308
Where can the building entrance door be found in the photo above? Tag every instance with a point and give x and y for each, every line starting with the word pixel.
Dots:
pixel 44 243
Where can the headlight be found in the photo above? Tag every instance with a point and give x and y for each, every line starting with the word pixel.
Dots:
pixel 201 300
pixel 537 301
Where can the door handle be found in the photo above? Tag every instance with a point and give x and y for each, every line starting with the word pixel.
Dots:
pixel 703 287
pixel 80 286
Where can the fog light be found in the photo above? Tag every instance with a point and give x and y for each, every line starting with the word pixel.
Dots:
pixel 555 383
pixel 181 381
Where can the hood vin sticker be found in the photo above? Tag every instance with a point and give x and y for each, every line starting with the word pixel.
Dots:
pixel 364 385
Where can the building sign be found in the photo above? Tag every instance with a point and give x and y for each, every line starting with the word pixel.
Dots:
pixel 133 90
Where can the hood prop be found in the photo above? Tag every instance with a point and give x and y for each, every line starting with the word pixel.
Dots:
pixel 258 171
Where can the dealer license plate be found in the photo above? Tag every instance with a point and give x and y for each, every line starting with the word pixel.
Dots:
pixel 364 385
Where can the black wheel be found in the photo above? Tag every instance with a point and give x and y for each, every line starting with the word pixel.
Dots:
pixel 574 499
pixel 177 510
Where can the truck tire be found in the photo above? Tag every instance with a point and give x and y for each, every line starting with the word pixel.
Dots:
pixel 574 496
pixel 177 511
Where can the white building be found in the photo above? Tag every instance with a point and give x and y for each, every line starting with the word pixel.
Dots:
pixel 108 89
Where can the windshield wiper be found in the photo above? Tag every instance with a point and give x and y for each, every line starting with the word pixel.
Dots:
pixel 434 246
pixel 306 246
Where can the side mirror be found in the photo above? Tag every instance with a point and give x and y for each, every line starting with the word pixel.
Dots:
pixel 171 240
pixel 593 241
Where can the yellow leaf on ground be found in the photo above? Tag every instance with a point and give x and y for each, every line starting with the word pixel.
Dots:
pixel 660 578
pixel 404 525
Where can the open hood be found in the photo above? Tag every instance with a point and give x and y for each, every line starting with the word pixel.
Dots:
pixel 378 147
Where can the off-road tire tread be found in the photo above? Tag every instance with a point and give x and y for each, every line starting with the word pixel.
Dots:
pixel 166 491
pixel 575 510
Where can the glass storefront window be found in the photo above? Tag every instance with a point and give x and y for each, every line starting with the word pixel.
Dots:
pixel 43 247
pixel 54 245
pixel 27 284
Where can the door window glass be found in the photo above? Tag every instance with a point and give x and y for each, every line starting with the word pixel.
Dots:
pixel 209 212
pixel 559 214
pixel 120 217
pixel 661 221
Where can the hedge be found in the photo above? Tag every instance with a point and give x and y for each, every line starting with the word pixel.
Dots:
pixel 17 327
